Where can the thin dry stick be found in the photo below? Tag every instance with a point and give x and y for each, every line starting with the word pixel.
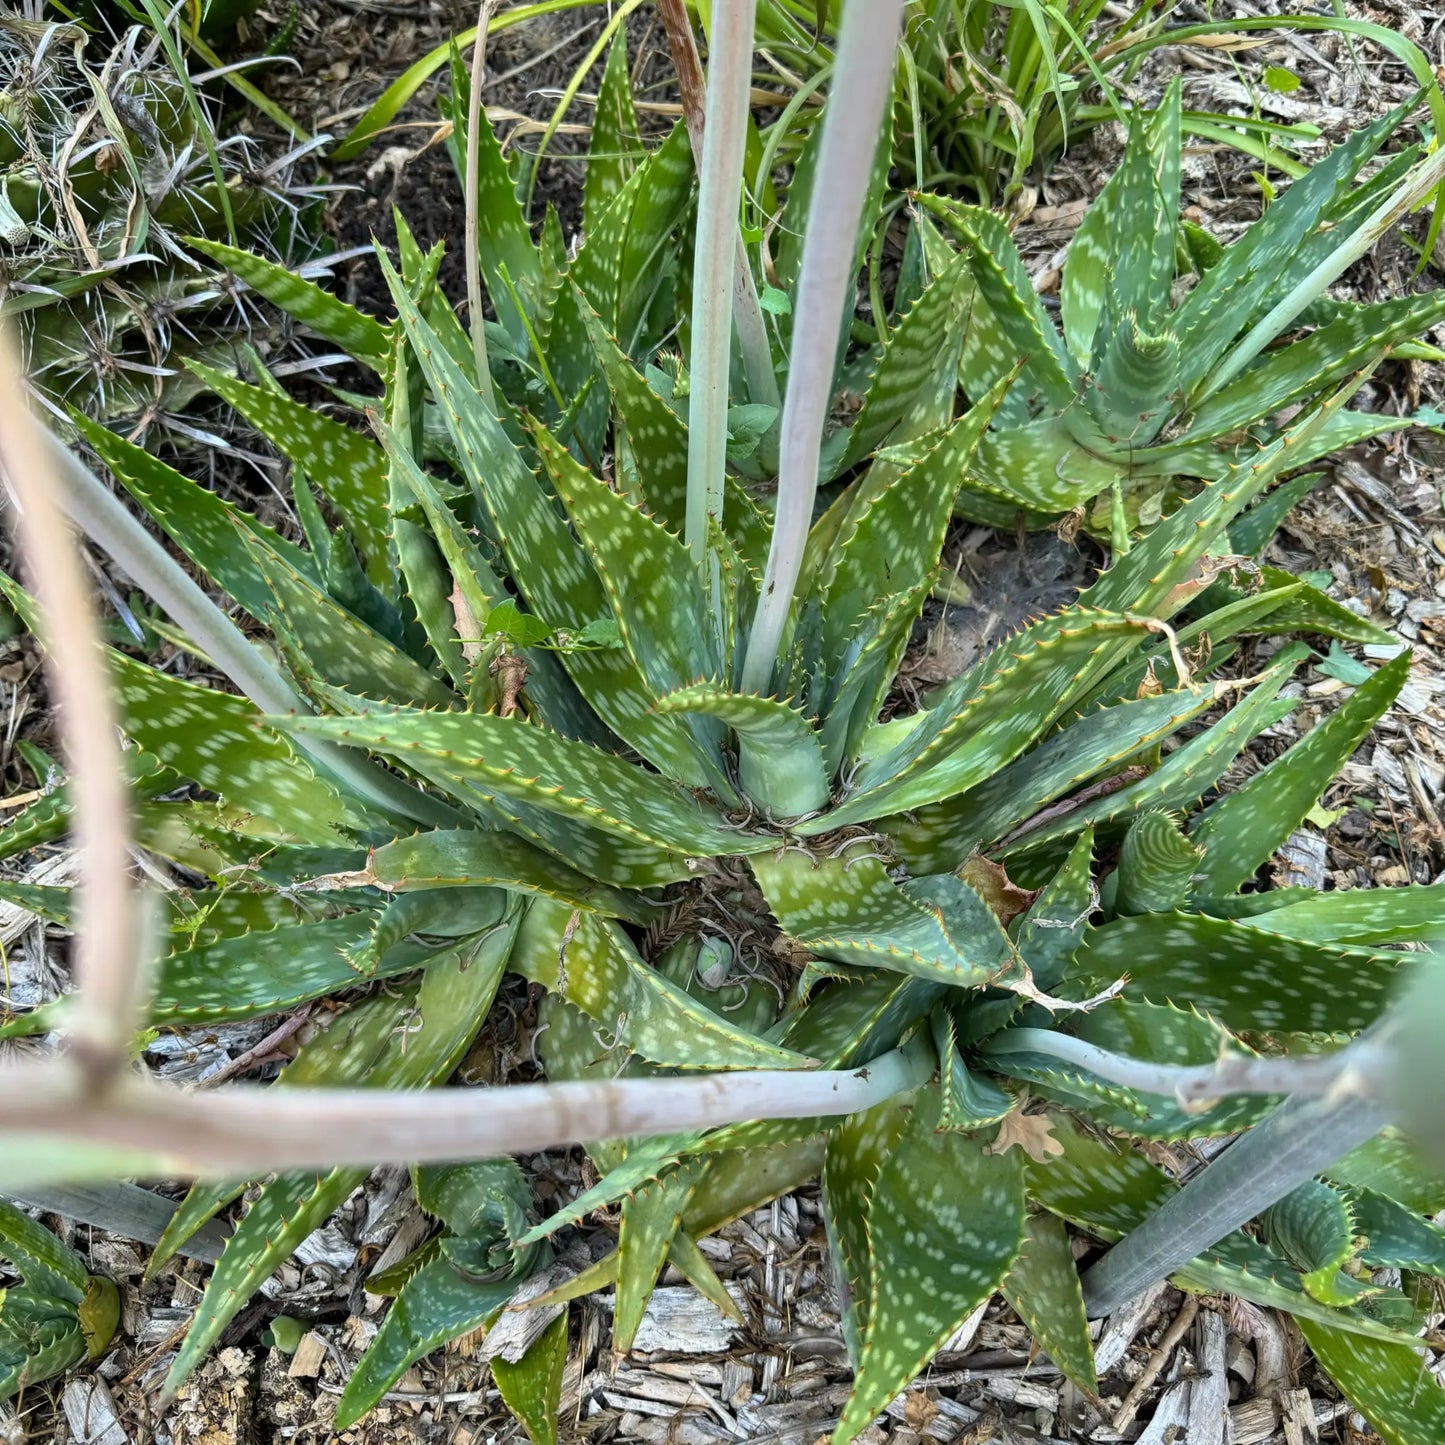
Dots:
pixel 242 1130
pixel 476 318
pixel 109 944
pixel 1157 1361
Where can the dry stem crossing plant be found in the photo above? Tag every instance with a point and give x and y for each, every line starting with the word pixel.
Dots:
pixel 549 691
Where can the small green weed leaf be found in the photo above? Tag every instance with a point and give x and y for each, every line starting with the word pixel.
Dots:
pixel 780 757
pixel 591 963
pixel 1240 831
pixel 650 1220
pixel 1156 864
pixel 463 857
pixel 1313 1228
pixel 1043 1290
pixel 616 142
pixel 847 908
pixel 201 524
pixel 912 387
pixel 1388 1383
pixel 359 335
pixel 348 467
pixel 1250 980
pixel 517 759
pixel 220 742
pixel 945 1223
pixel 47 1264
pixel 988 716
pixel 435 1305
pixel 531 1388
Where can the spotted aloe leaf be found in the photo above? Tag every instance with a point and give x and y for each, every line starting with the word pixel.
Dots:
pixel 1390 1165
pixel 1390 1236
pixel 553 574
pixel 848 908
pixel 340 647
pixel 438 1303
pixel 892 534
pixel 1250 980
pixel 517 759
pixel 1180 781
pixel 616 143
pixel 780 757
pixel 1003 281
pixel 1346 344
pixel 591 963
pixel 1388 1383
pixel 1213 313
pixel 442 913
pixel 1098 745
pixel 204 526
pixel 531 1388
pixel 50 1267
pixel 1043 1290
pixel 1240 831
pixel 988 716
pixel 1361 917
pixel 220 742
pixel 348 467
pixel 967 1100
pixel 650 581
pixel 1314 1228
pixel 1307 609
pixel 944 1224
pixel 859 1016
pixel 442 1014
pixel 357 334
pixel 1156 865
pixel 650 1220
pixel 912 386
pixel 463 857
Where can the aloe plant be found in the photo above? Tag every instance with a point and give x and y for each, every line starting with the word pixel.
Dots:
pixel 506 719
pixel 58 1316
pixel 1148 383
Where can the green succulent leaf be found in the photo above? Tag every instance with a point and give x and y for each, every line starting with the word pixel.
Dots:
pixel 1043 1290
pixel 616 142
pixel 945 1223
pixel 1314 1229
pixel 650 1220
pixel 1388 1383
pixel 531 1388
pixel 1358 917
pixel 1156 865
pixel 1390 1236
pixel 348 467
pixel 463 857
pixel 1250 980
pixel 49 1267
pixel 511 758
pixel 1240 831
pixel 591 963
pixel 359 335
pixel 1391 1165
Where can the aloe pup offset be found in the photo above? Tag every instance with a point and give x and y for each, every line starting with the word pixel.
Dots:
pixel 661 783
